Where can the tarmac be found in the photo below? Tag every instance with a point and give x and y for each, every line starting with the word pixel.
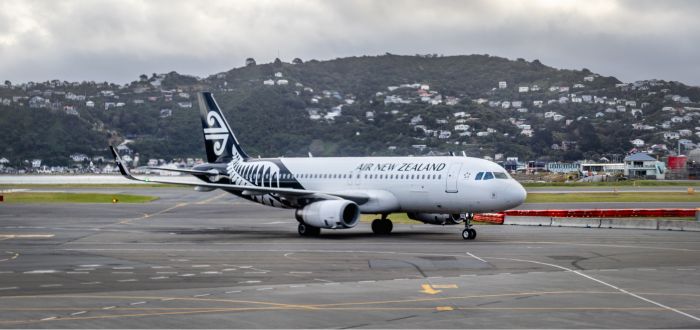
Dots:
pixel 210 260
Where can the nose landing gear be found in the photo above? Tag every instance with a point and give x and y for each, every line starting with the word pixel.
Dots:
pixel 468 233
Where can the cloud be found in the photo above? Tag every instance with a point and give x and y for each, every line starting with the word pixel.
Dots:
pixel 116 40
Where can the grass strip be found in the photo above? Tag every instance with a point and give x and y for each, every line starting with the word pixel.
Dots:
pixel 612 197
pixel 60 197
pixel 628 183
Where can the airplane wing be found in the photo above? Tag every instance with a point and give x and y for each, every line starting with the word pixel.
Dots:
pixel 357 197
pixel 188 171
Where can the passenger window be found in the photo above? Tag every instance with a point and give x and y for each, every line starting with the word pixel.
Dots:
pixel 500 175
pixel 488 176
pixel 479 176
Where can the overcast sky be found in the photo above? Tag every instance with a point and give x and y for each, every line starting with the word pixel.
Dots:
pixel 118 40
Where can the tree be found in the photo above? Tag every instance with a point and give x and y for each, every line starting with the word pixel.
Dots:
pixel 297 61
pixel 250 61
pixel 278 62
pixel 8 83
pixel 143 77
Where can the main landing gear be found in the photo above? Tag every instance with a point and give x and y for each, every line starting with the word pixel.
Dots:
pixel 306 230
pixel 382 226
pixel 468 232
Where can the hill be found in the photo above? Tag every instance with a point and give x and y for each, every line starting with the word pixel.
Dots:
pixel 370 105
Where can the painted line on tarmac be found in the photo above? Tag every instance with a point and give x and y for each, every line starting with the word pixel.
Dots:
pixel 606 284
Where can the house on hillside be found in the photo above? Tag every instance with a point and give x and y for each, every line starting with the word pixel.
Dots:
pixel 641 165
pixel 637 143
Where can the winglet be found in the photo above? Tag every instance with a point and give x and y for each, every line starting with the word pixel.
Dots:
pixel 120 163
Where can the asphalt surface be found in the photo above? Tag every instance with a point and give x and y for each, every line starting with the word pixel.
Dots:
pixel 209 260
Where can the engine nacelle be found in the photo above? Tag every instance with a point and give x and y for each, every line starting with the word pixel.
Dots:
pixel 333 214
pixel 437 218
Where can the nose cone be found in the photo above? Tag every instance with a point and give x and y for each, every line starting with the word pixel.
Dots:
pixel 521 194
pixel 517 195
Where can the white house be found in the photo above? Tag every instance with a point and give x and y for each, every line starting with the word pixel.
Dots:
pixel 278 74
pixel 502 84
pixel 462 127
pixel 523 89
pixel 641 165
pixel 638 143
pixel 282 82
pixel 269 82
pixel 672 135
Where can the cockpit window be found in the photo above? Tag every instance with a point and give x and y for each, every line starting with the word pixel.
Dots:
pixel 488 176
pixel 500 175
pixel 479 175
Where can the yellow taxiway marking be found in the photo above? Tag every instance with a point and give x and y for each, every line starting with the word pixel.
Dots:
pixel 281 306
pixel 432 288
pixel 209 200
pixel 146 216
pixel 428 289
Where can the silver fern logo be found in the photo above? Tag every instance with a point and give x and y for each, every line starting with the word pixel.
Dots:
pixel 218 134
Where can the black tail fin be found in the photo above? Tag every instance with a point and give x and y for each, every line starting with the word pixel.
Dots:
pixel 219 141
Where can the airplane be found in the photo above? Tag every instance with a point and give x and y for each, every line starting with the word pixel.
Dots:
pixel 332 192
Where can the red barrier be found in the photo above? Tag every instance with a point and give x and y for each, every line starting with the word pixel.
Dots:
pixel 606 213
pixel 495 218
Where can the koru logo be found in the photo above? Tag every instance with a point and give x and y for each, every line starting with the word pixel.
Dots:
pixel 218 134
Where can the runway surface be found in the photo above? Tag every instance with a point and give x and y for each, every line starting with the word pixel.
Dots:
pixel 209 260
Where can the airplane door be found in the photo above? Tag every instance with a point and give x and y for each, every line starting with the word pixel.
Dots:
pixel 451 178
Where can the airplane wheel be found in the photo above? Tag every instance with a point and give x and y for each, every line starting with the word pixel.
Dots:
pixel 306 230
pixel 469 234
pixel 389 225
pixel 382 226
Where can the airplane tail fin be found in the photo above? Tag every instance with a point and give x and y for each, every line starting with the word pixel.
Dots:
pixel 220 143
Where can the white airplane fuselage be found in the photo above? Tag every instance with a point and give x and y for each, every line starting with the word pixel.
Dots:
pixel 393 184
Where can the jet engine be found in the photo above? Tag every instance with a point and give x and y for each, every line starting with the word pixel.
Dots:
pixel 333 214
pixel 437 218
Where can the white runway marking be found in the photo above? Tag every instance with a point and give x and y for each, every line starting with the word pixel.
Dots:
pixel 128 280
pixel 475 257
pixel 84 269
pixel 210 272
pixel 186 275
pixel 200 266
pixel 49 318
pixel 234 291
pixel 118 268
pixel 264 289
pixel 159 277
pixel 50 285
pixel 137 303
pixel 9 288
pixel 608 285
pixel 94 265
pixel 301 272
pixel 109 307
pixel 42 271
pixel 90 283
pixel 202 295
pixel 78 313
pixel 249 282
